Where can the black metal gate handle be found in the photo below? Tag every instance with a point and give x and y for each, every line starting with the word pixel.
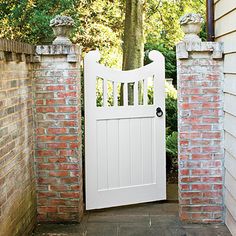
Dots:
pixel 159 112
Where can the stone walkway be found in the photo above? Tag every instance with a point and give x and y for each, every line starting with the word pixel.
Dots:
pixel 149 219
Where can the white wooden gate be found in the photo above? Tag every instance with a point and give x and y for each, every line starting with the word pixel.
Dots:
pixel 124 144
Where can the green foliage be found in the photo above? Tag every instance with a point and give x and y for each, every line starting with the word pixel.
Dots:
pixel 28 20
pixel 172 152
pixel 162 17
pixel 171 115
pixel 169 54
pixel 99 24
pixel 172 144
pixel 171 130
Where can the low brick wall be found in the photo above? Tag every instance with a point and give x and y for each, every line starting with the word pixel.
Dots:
pixel 58 134
pixel 201 153
pixel 17 177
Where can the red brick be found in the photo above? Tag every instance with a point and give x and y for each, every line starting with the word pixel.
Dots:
pixel 56 130
pixel 45 153
pixel 57 145
pixel 66 94
pixel 68 166
pixel 200 172
pixel 45 109
pixel 66 109
pixel 70 123
pixel 47 209
pixel 46 166
pixel 56 159
pixel 74 145
pixel 190 179
pixel 201 187
pixel 68 209
pixel 55 88
pixel 212 208
pixel 69 180
pixel 67 138
pixel 70 195
pixel 58 173
pixel 57 202
pixel 55 102
pixel 201 127
pixel 184 172
pixel 45 138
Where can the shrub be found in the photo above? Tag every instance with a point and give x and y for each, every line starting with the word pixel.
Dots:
pixel 171 115
pixel 172 151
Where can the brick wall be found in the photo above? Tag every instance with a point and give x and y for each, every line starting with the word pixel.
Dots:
pixel 58 134
pixel 200 104
pixel 17 179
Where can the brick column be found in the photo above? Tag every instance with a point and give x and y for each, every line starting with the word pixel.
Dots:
pixel 58 134
pixel 201 153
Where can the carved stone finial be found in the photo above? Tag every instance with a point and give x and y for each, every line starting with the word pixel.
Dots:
pixel 62 26
pixel 191 25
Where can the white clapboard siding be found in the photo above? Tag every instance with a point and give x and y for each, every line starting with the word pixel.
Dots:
pixel 230 84
pixel 225 24
pixel 229 100
pixel 229 63
pixel 230 142
pixel 230 201
pixel 230 184
pixel 225 29
pixel 124 145
pixel 230 222
pixel 223 7
pixel 230 123
pixel 230 161
pixel 229 47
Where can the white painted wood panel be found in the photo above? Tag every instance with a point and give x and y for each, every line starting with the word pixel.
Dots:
pixel 229 108
pixel 230 124
pixel 123 164
pixel 230 144
pixel 223 7
pixel 230 222
pixel 230 84
pixel 230 163
pixel 230 203
pixel 229 42
pixel 230 183
pixel 225 24
pixel 136 152
pixel 147 150
pixel 102 155
pixel 113 153
pixel 229 63
pixel 124 153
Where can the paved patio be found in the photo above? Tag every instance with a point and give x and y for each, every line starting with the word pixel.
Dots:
pixel 154 219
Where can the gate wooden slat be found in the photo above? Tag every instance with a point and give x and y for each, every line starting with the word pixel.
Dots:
pixel 136 94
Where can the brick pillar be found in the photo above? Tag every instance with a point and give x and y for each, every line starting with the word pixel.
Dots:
pixel 201 153
pixel 58 134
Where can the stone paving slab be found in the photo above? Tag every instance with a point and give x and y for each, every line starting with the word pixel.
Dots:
pixel 150 219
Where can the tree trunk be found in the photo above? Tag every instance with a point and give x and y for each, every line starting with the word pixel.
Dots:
pixel 133 47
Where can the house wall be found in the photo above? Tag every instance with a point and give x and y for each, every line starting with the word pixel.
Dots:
pixel 17 179
pixel 225 30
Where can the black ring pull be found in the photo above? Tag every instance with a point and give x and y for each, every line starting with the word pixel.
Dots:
pixel 159 112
